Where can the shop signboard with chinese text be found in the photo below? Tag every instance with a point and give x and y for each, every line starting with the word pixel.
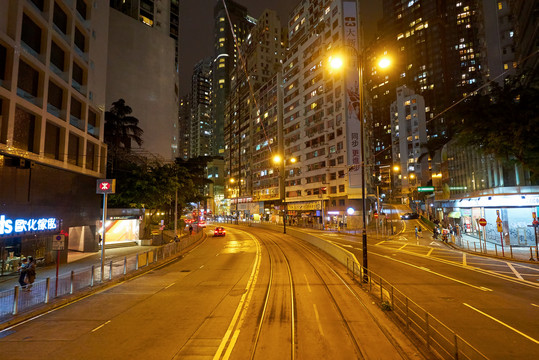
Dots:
pixel 22 226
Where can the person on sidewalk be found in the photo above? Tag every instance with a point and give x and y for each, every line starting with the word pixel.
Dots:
pixel 416 235
pixel 22 272
pixel 30 273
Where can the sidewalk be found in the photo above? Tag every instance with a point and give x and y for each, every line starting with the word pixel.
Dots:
pixel 76 261
pixel 488 248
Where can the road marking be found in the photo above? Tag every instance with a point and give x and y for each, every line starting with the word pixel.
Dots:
pixel 100 326
pixel 170 285
pixel 403 246
pixel 201 266
pixel 318 320
pixel 434 243
pixel 307 281
pixel 464 259
pixel 504 324
pixel 381 242
pixel 535 305
pixel 239 314
pixel 514 271
pixel 482 288
pixel 430 252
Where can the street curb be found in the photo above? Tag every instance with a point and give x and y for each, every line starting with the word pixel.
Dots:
pixel 454 247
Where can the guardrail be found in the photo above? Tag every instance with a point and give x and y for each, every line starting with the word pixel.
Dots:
pixel 16 300
pixel 438 338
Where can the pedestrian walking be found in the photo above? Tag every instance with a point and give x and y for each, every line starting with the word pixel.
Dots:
pixel 190 230
pixel 416 235
pixel 30 272
pixel 22 272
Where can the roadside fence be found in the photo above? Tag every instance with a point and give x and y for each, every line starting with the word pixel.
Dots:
pixel 17 300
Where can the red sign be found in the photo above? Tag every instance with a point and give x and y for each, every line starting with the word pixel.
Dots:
pixel 482 222
pixel 106 186
pixel 376 215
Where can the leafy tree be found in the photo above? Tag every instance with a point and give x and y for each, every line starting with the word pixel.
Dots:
pixel 121 130
pixel 504 123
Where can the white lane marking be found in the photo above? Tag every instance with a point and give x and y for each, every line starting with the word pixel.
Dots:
pixel 430 252
pixel 535 305
pixel 201 267
pixel 307 281
pixel 504 324
pixel 403 246
pixel 100 326
pixel 381 242
pixel 464 259
pixel 170 285
pixel 434 243
pixel 514 271
pixel 239 314
pixel 318 320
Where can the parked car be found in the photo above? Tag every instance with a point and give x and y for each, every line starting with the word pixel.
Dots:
pixel 409 216
pixel 219 231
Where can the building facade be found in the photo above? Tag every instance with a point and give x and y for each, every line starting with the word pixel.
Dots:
pixel 202 132
pixel 184 127
pixel 53 58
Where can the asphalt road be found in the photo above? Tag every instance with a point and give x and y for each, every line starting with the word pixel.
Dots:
pixel 250 294
pixel 491 303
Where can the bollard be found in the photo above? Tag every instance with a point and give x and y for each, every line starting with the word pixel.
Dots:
pixel 147 257
pixel 496 248
pixel 15 300
pixel 456 346
pixel 71 282
pixel 155 256
pixel 110 270
pixel 468 244
pixel 474 247
pixel 47 289
pixel 511 250
pixel 531 254
pixel 125 265
pixel 92 276
pixel 136 262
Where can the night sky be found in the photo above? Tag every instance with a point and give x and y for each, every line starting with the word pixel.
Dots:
pixel 196 27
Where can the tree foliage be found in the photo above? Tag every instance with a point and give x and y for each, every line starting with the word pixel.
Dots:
pixel 504 122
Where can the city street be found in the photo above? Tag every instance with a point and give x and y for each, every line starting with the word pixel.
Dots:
pixel 262 294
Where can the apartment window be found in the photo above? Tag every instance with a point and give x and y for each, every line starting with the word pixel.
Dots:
pixel 93 125
pixel 55 99
pixel 341 189
pixel 31 34
pixel 52 141
pixel 73 154
pixel 76 113
pixel 90 156
pixel 39 4
pixel 57 56
pixel 28 80
pixel 333 190
pixel 80 40
pixel 24 130
pixel 59 18
pixel 81 8
pixel 3 63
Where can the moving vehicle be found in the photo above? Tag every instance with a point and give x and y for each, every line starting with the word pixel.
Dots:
pixel 409 216
pixel 219 231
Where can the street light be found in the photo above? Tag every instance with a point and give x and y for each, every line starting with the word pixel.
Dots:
pixel 336 62
pixel 232 181
pixel 277 159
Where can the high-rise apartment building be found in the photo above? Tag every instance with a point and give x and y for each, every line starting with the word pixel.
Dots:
pixel 201 135
pixel 321 122
pixel 247 118
pixel 53 57
pixel 231 26
pixel 408 131
pixel 526 27
pixel 184 127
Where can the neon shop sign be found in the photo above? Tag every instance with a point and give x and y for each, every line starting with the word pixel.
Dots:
pixel 20 226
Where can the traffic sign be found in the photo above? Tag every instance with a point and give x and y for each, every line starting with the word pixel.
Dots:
pixel 58 242
pixel 425 188
pixel 376 215
pixel 499 224
pixel 106 186
pixel 483 222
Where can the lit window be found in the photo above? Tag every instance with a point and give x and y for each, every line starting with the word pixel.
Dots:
pixel 500 5
pixel 221 19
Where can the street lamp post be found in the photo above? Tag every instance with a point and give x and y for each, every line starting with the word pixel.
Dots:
pixel 282 184
pixel 336 63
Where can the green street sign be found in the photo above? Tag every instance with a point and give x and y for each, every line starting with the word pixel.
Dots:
pixel 425 189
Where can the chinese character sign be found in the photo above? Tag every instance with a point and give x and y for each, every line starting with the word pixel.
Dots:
pixel 20 226
pixel 353 122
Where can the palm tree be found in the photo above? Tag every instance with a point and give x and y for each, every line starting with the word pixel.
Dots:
pixel 121 130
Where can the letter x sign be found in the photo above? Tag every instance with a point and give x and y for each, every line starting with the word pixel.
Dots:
pixel 106 186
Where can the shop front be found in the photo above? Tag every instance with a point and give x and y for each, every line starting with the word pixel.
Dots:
pixel 305 213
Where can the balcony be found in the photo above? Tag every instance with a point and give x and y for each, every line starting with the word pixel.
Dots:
pixel 65 37
pixel 29 97
pixel 83 55
pixel 59 72
pixel 93 130
pixel 81 89
pixel 32 52
pixel 53 110
pixel 76 122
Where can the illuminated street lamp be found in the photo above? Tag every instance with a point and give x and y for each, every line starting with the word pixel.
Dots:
pixel 277 159
pixel 337 62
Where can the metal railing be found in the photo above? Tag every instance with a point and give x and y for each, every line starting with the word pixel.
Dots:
pixel 439 339
pixel 17 300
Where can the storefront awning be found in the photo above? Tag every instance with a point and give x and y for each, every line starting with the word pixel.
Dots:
pixel 454 214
